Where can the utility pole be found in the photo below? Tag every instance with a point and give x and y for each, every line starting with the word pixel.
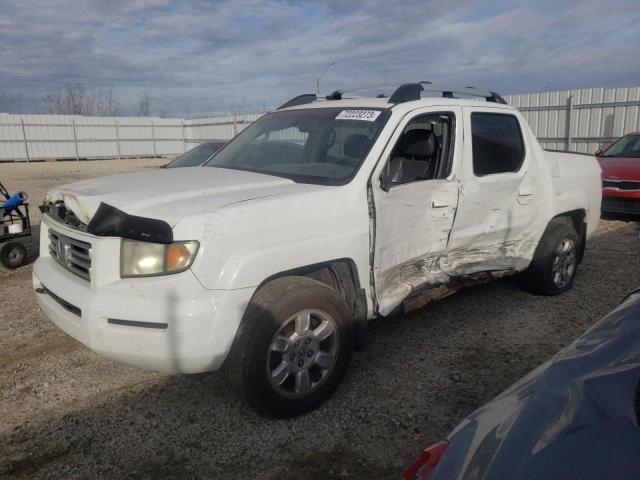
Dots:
pixel 320 76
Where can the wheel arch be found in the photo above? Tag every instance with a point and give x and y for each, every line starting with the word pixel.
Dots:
pixel 577 219
pixel 342 275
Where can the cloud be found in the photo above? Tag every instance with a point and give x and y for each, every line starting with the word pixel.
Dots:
pixel 233 55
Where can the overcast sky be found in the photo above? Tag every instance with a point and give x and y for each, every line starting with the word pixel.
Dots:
pixel 197 56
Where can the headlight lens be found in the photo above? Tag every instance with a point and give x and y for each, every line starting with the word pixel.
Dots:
pixel 141 259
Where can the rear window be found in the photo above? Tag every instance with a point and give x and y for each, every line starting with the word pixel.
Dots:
pixel 627 146
pixel 497 143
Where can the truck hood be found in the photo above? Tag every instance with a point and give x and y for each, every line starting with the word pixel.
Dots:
pixel 620 168
pixel 169 194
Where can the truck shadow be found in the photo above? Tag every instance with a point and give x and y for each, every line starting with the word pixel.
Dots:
pixel 419 375
pixel 623 217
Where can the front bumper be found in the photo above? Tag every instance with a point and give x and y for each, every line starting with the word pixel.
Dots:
pixel 621 201
pixel 167 323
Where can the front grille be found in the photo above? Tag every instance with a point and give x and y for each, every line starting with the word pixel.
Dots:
pixel 72 254
pixel 621 184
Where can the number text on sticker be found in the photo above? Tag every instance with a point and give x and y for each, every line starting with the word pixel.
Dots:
pixel 366 115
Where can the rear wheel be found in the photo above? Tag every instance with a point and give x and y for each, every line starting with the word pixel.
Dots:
pixel 293 347
pixel 13 255
pixel 554 265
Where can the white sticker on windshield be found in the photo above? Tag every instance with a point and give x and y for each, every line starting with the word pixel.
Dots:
pixel 366 115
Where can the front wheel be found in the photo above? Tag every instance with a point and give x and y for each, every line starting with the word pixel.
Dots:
pixel 293 347
pixel 555 263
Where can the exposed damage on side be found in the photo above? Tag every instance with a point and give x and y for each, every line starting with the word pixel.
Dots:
pixel 432 233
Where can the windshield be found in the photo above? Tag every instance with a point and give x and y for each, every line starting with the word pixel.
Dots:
pixel 627 146
pixel 320 145
pixel 196 156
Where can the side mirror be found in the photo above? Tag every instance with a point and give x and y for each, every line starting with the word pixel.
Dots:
pixel 599 152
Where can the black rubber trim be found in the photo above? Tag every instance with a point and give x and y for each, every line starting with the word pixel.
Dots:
pixel 406 93
pixel 299 100
pixel 109 221
pixel 69 307
pixel 133 323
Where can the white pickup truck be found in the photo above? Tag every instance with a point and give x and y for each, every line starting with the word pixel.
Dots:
pixel 269 260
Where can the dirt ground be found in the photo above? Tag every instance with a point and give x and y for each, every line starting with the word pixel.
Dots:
pixel 36 178
pixel 66 413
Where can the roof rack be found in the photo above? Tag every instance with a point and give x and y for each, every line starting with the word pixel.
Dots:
pixel 404 93
pixel 411 91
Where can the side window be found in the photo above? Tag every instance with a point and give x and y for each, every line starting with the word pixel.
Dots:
pixel 424 151
pixel 497 143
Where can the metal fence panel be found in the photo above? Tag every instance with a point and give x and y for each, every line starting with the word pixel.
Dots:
pixel 577 120
pixel 580 120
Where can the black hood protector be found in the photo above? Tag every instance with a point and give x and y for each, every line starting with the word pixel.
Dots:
pixel 109 221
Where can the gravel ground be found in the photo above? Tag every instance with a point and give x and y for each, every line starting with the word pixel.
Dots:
pixel 66 413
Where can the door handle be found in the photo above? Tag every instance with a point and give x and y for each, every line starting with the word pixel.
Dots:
pixel 525 195
pixel 439 204
pixel 439 208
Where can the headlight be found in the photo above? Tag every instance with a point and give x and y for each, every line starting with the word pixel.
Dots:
pixel 141 259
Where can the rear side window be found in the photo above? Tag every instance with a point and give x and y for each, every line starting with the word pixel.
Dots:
pixel 497 143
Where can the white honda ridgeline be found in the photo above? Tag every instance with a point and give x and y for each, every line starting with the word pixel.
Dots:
pixel 269 260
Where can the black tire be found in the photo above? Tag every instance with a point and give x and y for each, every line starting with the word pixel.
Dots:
pixel 13 255
pixel 542 276
pixel 249 365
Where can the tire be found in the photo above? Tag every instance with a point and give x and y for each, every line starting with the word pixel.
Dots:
pixel 555 262
pixel 273 348
pixel 13 255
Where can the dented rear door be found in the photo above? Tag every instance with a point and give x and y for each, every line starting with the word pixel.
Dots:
pixel 497 221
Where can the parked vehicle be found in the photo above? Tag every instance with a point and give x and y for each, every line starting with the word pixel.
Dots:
pixel 620 164
pixel 575 416
pixel 270 260
pixel 14 224
pixel 196 156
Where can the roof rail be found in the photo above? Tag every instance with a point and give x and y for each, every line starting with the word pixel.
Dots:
pixel 411 91
pixel 299 100
pixel 404 93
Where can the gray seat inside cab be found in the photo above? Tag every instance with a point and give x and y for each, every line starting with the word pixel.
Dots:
pixel 413 158
pixel 356 145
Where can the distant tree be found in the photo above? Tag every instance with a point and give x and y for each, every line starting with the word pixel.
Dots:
pixel 73 99
pixel 11 103
pixel 144 105
pixel 107 103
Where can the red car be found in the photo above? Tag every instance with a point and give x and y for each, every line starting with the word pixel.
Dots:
pixel 620 163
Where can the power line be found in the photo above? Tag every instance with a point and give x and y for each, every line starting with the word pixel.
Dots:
pixel 124 82
pixel 108 81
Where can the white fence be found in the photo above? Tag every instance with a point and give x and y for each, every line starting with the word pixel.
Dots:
pixel 41 137
pixel 580 120
pixel 576 120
